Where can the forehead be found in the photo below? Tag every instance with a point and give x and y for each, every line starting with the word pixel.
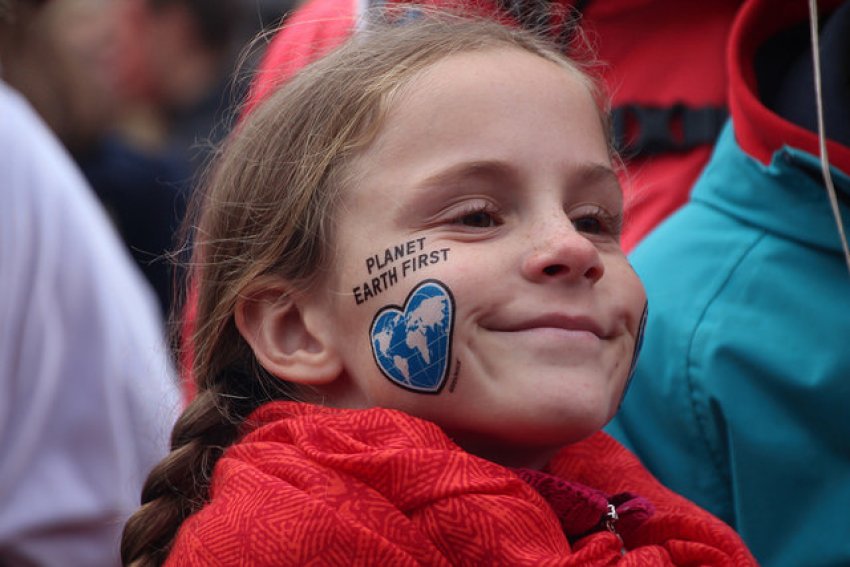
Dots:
pixel 501 104
pixel 517 76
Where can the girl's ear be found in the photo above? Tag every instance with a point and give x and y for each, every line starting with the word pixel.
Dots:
pixel 286 340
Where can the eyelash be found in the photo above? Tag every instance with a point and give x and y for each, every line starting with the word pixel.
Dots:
pixel 471 209
pixel 608 224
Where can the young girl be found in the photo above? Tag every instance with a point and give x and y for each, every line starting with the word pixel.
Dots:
pixel 413 319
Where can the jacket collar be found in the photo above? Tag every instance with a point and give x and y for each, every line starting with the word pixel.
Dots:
pixel 786 197
pixel 758 130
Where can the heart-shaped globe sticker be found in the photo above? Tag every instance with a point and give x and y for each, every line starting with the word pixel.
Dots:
pixel 412 344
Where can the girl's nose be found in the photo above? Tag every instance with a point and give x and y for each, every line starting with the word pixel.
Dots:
pixel 560 252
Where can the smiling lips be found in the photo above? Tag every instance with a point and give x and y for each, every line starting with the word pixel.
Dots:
pixel 556 323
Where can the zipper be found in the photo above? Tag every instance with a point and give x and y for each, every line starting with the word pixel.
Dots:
pixel 609 520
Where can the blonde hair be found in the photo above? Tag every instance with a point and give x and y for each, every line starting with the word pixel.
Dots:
pixel 267 210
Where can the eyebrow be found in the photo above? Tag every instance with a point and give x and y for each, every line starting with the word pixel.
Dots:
pixel 459 172
pixel 594 174
pixel 599 175
pixel 584 177
pixel 435 187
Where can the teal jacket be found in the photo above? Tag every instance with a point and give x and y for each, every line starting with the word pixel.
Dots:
pixel 741 397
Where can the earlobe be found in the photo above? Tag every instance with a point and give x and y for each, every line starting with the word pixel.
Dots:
pixel 286 342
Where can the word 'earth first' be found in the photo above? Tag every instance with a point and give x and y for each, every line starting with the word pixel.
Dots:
pixel 394 264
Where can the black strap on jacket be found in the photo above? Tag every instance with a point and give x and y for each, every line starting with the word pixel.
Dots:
pixel 643 130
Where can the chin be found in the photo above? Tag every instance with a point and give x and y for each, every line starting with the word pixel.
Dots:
pixel 557 433
pixel 561 420
pixel 527 441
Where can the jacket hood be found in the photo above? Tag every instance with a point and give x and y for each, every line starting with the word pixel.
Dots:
pixel 758 130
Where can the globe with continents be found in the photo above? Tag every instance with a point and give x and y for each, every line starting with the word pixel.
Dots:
pixel 411 346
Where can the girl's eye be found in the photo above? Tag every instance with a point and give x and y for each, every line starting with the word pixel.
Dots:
pixel 598 221
pixel 478 219
pixel 476 214
pixel 590 225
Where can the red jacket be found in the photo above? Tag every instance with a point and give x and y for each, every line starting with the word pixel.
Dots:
pixel 315 486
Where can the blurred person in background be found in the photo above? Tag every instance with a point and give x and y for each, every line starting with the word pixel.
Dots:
pixel 87 391
pixel 166 57
pixel 114 79
pixel 55 53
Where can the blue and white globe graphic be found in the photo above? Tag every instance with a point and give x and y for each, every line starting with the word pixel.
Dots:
pixel 412 345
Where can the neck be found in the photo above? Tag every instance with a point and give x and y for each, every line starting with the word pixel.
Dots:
pixel 504 452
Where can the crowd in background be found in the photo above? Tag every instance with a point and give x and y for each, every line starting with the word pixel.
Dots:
pixel 108 110
pixel 737 403
pixel 138 91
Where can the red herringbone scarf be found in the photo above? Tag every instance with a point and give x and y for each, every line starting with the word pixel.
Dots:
pixel 314 486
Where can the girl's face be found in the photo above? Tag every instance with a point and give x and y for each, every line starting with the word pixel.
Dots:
pixel 478 281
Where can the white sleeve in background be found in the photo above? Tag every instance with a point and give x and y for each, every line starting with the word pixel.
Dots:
pixel 87 393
